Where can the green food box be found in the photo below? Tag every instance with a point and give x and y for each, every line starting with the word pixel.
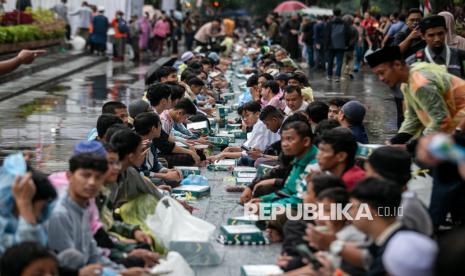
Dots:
pixel 222 165
pixel 263 169
pixel 223 110
pixel 228 96
pixel 244 234
pixel 186 171
pixel 250 220
pixel 219 141
pixel 246 175
pixel 260 270
pixel 233 126
pixel 201 127
pixel 238 133
pixel 230 137
pixel 196 191
pixel 364 151
pixel 243 169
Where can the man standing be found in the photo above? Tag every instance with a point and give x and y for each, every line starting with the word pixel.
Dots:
pixel 208 31
pixel 318 38
pixel 307 38
pixel 433 31
pixel 434 99
pixel 410 40
pixel 337 41
pixel 98 38
pixel 85 18
pixel 121 34
pixel 291 31
pixel 62 12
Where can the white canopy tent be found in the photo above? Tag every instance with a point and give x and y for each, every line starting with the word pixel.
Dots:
pixel 129 7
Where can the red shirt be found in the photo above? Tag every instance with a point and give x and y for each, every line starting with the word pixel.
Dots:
pixel 370 25
pixel 352 176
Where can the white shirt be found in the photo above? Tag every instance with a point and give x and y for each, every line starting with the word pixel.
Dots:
pixel 261 137
pixel 289 112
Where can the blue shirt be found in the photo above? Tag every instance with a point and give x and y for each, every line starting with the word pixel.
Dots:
pixel 396 27
pixel 360 134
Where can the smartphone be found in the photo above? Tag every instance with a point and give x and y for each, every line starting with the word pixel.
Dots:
pixel 245 148
pixel 305 252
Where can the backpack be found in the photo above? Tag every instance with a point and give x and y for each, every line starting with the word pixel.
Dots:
pixel 123 26
pixel 338 36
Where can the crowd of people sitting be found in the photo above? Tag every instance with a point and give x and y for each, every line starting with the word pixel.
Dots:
pixel 81 221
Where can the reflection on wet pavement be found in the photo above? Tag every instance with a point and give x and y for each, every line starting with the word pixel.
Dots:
pixel 49 122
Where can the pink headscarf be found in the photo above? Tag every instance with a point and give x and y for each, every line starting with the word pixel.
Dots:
pixel 452 39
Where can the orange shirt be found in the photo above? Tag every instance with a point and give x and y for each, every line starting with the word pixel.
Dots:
pixel 114 23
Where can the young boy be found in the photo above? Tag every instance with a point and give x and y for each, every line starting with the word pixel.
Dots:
pixel 179 113
pixel 115 108
pixel 148 125
pixel 69 223
pixel 259 138
pixel 104 122
pixel 336 154
pixel 159 96
pixel 132 154
pixel 335 106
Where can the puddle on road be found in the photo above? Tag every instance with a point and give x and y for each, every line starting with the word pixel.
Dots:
pixel 44 104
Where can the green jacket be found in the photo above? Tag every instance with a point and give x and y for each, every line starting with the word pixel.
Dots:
pixel 293 185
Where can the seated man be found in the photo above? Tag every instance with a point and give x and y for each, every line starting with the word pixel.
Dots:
pixel 299 79
pixel 259 138
pixel 336 154
pixel 273 119
pixel 351 116
pixel 148 125
pixel 296 141
pixel 294 100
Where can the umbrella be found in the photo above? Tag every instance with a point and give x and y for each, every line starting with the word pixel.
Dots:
pixel 289 6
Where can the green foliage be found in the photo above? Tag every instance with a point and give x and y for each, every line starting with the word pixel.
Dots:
pixel 45 26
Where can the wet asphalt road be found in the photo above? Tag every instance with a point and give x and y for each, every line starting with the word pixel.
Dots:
pixel 51 120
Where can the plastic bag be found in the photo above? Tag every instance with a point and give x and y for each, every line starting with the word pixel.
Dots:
pixel 171 222
pixel 193 179
pixel 173 265
pixel 13 165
